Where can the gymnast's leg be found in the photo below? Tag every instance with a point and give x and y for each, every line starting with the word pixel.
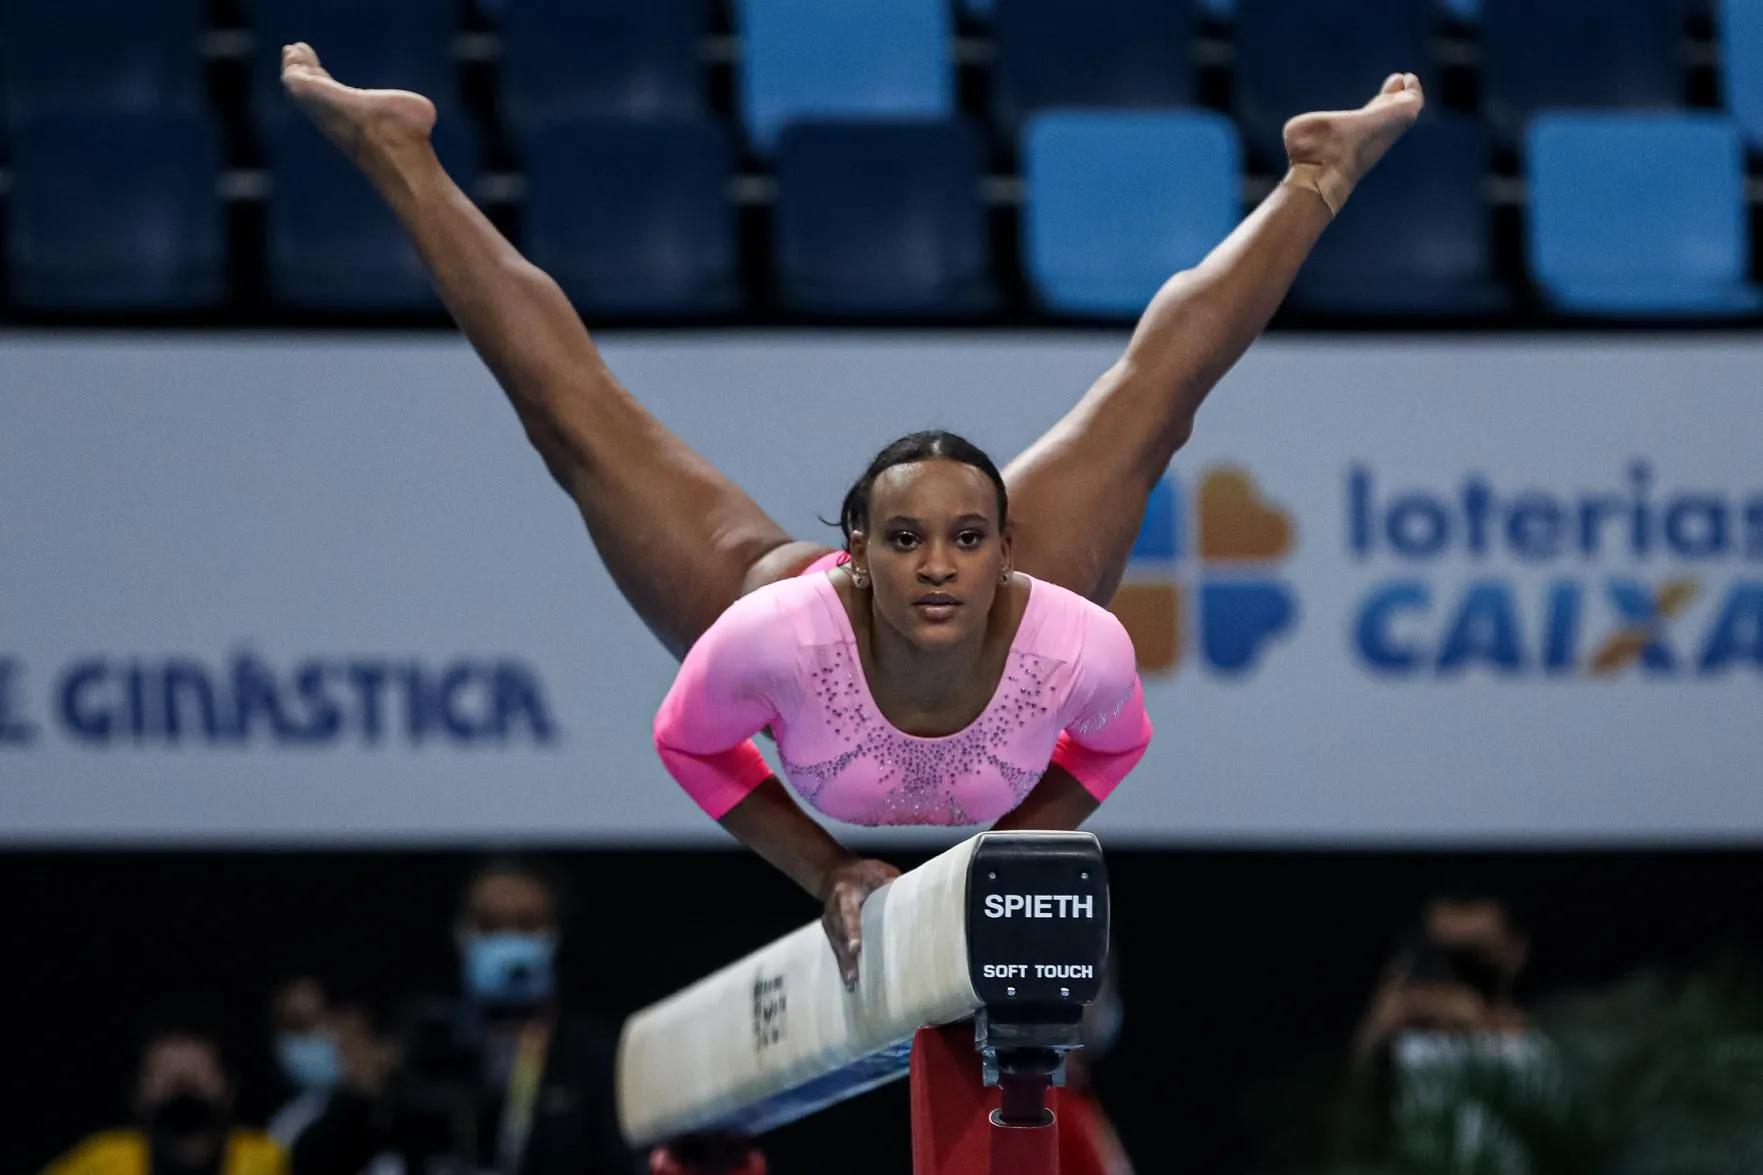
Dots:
pixel 1077 495
pixel 681 541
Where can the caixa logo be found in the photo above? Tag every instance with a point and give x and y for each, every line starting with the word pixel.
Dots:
pixel 1627 580
pixel 1205 572
pixel 249 700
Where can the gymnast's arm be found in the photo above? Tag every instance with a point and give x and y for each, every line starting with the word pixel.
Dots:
pixel 727 690
pixel 1106 733
pixel 723 695
pixel 772 824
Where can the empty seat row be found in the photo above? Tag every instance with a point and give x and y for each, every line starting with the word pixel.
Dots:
pixel 1640 215
pixel 116 210
pixel 1628 214
pixel 804 59
pixel 70 55
pixel 1466 12
pixel 1461 11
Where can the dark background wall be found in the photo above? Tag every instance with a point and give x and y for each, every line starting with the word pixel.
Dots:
pixel 1234 964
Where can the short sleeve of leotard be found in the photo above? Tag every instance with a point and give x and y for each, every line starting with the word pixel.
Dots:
pixel 725 693
pixel 1106 726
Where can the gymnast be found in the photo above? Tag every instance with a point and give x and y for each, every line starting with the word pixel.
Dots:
pixel 954 662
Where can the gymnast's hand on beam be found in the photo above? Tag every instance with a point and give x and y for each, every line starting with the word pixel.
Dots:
pixel 844 890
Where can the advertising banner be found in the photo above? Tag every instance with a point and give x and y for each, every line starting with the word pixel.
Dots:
pixel 286 590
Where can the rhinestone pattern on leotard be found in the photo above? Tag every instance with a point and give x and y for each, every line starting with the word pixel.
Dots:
pixel 926 777
pixel 1093 723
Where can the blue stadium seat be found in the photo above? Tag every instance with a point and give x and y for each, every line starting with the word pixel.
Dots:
pixel 852 59
pixel 633 217
pixel 572 59
pixel 1416 238
pixel 1741 58
pixel 116 212
pixel 1618 54
pixel 330 242
pixel 1295 56
pixel 1639 214
pixel 1463 11
pixel 1107 53
pixel 882 218
pixel 99 55
pixel 384 44
pixel 1117 203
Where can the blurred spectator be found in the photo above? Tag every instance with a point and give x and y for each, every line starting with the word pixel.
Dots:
pixel 321 1044
pixel 306 1053
pixel 183 1102
pixel 502 1079
pixel 1456 974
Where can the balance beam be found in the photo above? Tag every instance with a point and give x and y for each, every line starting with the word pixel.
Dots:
pixel 1010 929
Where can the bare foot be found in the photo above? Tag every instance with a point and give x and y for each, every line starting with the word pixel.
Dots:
pixel 1332 150
pixel 353 119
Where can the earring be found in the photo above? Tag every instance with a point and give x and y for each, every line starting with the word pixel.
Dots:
pixel 859 577
pixel 1005 577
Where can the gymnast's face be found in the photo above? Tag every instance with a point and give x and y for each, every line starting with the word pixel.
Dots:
pixel 934 551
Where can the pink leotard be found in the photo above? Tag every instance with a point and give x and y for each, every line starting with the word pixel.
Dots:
pixel 785 657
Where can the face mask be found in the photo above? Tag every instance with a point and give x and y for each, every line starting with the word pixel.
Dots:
pixel 184 1115
pixel 509 968
pixel 309 1059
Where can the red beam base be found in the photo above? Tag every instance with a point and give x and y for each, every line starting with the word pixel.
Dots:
pixel 1028 1150
pixel 954 1127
